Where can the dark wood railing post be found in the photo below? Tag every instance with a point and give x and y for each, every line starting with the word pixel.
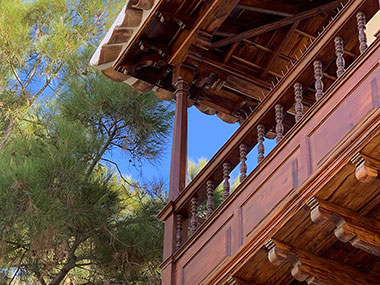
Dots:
pixel 194 212
pixel 226 177
pixel 210 198
pixel 279 114
pixel 260 139
pixel 318 75
pixel 243 165
pixel 339 51
pixel 298 98
pixel 178 237
pixel 361 21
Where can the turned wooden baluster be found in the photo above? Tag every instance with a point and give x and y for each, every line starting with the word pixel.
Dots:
pixel 298 98
pixel 361 21
pixel 210 200
pixel 260 139
pixel 194 211
pixel 226 177
pixel 243 165
pixel 178 237
pixel 279 110
pixel 318 75
pixel 339 51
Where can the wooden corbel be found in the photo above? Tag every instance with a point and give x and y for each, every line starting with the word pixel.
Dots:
pixel 314 269
pixel 366 171
pixel 361 232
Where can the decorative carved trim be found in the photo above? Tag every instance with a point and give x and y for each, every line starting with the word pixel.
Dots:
pixel 226 177
pixel 194 211
pixel 210 200
pixel 243 166
pixel 361 21
pixel 365 171
pixel 178 237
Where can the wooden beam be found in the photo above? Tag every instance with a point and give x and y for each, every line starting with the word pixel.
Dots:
pixel 268 7
pixel 316 270
pixel 245 87
pixel 278 24
pixel 211 17
pixel 361 232
pixel 279 49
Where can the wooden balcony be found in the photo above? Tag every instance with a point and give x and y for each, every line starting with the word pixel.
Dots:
pixel 339 131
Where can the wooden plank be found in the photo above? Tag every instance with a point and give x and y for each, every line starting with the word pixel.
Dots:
pixel 268 7
pixel 275 25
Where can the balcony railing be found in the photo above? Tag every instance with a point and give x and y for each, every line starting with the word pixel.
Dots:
pixel 325 53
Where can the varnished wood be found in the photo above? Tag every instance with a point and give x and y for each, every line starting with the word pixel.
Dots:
pixel 269 27
pixel 243 165
pixel 179 232
pixel 366 171
pixel 268 7
pixel 339 51
pixel 226 178
pixel 361 232
pixel 307 266
pixel 260 140
pixel 279 112
pixel 361 21
pixel 298 98
pixel 179 147
pixel 210 198
pixel 318 75
pixel 194 212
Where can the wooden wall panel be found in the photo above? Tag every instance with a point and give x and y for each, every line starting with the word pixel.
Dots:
pixel 266 196
pixel 349 112
pixel 214 251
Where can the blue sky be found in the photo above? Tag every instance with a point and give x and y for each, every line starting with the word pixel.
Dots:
pixel 206 135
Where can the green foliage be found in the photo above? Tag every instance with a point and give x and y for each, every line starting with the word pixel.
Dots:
pixel 67 212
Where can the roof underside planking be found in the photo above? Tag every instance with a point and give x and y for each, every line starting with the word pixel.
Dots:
pixel 239 49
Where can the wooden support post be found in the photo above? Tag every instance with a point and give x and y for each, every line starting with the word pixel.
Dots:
pixel 179 148
pixel 361 232
pixel 316 270
pixel 226 178
pixel 361 21
pixel 339 51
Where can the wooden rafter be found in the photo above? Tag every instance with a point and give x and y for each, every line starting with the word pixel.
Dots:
pixel 278 24
pixel 268 7
pixel 279 49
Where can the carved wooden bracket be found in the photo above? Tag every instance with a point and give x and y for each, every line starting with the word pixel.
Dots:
pixel 361 232
pixel 314 269
pixel 366 171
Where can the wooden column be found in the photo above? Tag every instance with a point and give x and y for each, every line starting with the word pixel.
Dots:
pixel 179 148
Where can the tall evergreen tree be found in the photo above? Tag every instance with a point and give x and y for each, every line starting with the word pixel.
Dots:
pixel 68 213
